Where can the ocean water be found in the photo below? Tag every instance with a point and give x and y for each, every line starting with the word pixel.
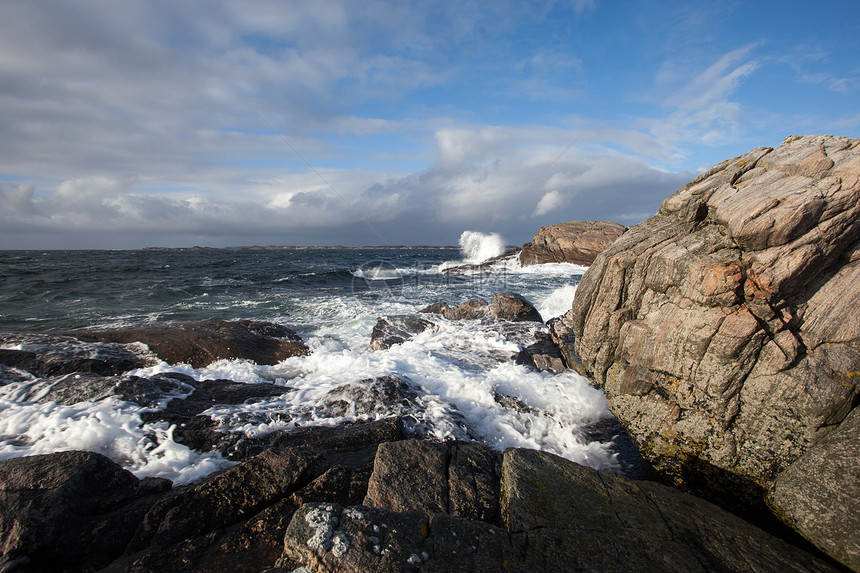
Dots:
pixel 465 382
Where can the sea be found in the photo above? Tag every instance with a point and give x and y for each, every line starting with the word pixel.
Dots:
pixel 332 298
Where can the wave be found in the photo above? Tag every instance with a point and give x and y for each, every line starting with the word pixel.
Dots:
pixel 478 247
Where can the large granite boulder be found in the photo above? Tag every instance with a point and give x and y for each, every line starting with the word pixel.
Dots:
pixel 577 242
pixel 203 342
pixel 724 330
pixel 555 515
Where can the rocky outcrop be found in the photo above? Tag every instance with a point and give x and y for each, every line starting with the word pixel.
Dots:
pixel 52 355
pixel 359 498
pixel 724 333
pixel 577 242
pixel 508 306
pixel 69 509
pixel 79 511
pixel 552 515
pixel 206 341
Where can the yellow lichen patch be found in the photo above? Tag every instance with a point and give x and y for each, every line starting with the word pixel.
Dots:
pixel 741 163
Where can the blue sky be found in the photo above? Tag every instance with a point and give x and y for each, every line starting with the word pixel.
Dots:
pixel 137 123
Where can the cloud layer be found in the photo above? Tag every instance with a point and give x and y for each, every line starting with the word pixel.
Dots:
pixel 338 122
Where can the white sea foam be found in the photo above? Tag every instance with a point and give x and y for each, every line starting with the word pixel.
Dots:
pixel 110 427
pixel 463 381
pixel 556 302
pixel 477 247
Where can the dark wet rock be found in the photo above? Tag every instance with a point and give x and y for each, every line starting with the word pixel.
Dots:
pixel 203 342
pixel 574 517
pixel 514 307
pixel 223 499
pixel 297 504
pixel 327 537
pixel 816 512
pixel 558 516
pixel 560 331
pixel 508 306
pixel 720 328
pixel 472 309
pixel 235 520
pixel 384 396
pixel 87 386
pixel 410 475
pixel 577 242
pixel 456 478
pixel 541 355
pixel 49 355
pixel 69 510
pixel 397 329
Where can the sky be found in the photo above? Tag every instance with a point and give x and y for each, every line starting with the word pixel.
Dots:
pixel 126 124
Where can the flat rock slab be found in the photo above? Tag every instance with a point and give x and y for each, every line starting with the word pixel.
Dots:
pixel 456 478
pixel 204 342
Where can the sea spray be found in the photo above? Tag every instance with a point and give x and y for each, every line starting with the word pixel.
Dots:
pixel 457 371
pixel 477 247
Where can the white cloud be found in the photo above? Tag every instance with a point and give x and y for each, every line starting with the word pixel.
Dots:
pixel 551 201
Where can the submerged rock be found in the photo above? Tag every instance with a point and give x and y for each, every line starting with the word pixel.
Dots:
pixel 577 242
pixel 723 330
pixel 206 341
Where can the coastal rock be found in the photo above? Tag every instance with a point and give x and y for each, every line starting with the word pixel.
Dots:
pixel 577 518
pixel 472 309
pixel 397 329
pixel 445 507
pixel 557 516
pixel 235 520
pixel 513 307
pixel 577 242
pixel 722 329
pixel 420 475
pixel 206 341
pixel 541 355
pixel 88 386
pixel 196 430
pixel 68 510
pixel 508 306
pixel 817 511
pixel 51 355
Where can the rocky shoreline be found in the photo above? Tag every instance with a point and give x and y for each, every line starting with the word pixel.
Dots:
pixel 722 331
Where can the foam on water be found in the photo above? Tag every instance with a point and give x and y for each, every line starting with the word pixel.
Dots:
pixel 110 427
pixel 556 302
pixel 462 381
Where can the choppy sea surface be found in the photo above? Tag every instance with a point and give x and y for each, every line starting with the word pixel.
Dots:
pixel 332 298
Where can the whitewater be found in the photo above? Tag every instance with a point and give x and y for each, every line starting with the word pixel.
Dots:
pixel 462 377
